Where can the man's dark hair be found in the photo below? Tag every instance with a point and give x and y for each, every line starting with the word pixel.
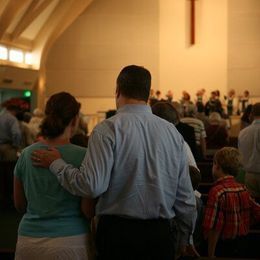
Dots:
pixel 134 82
pixel 256 109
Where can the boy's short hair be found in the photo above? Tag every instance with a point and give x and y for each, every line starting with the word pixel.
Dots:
pixel 229 159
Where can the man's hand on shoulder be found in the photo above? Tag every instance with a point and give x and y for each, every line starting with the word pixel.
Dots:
pixel 44 158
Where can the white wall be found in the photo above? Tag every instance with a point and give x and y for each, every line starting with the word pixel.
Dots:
pixel 244 46
pixel 87 58
pixel 203 65
pixel 109 35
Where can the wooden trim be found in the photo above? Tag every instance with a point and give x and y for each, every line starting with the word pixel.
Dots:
pixel 192 22
pixel 16 65
pixel 9 13
pixel 65 13
pixel 20 43
pixel 29 16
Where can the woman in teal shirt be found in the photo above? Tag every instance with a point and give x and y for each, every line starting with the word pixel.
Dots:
pixel 53 224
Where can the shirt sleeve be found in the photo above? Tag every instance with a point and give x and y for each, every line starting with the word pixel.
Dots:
pixel 185 204
pixel 92 178
pixel 213 214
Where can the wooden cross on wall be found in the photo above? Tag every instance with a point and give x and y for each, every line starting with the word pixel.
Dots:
pixel 192 22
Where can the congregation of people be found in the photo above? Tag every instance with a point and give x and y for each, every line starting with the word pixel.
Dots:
pixel 130 189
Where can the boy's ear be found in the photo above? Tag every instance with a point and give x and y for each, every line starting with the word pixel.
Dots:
pixel 218 167
pixel 117 93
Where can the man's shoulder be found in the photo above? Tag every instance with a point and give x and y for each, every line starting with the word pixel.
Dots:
pixel 245 131
pixel 105 124
pixel 8 116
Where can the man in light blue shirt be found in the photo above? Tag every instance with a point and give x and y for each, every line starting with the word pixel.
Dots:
pixel 249 147
pixel 137 166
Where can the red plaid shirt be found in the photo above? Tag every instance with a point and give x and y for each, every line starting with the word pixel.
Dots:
pixel 229 209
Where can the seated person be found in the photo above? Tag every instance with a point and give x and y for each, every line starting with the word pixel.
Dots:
pixel 230 210
pixel 214 104
pixel 199 129
pixel 168 112
pixel 10 132
pixel 217 133
pixel 246 119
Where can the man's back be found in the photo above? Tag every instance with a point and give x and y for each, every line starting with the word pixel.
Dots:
pixel 148 161
pixel 249 146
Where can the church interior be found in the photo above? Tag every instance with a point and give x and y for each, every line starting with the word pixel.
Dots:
pixel 79 46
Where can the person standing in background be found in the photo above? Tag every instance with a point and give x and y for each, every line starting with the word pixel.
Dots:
pixel 10 132
pixel 230 102
pixel 243 102
pixel 246 118
pixel 249 147
pixel 35 122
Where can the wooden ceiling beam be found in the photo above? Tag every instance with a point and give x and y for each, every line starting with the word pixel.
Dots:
pixel 20 43
pixel 9 13
pixel 29 16
pixel 63 16
pixel 3 4
pixel 65 13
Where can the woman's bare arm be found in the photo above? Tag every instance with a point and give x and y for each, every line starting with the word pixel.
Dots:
pixel 20 201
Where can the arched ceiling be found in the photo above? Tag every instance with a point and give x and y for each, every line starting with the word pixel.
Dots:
pixel 34 25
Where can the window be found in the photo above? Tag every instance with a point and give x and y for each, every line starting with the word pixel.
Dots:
pixel 28 58
pixel 16 56
pixel 3 53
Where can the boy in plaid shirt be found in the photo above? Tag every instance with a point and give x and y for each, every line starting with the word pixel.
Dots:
pixel 230 210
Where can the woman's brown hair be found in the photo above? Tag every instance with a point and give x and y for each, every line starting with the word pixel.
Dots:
pixel 60 109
